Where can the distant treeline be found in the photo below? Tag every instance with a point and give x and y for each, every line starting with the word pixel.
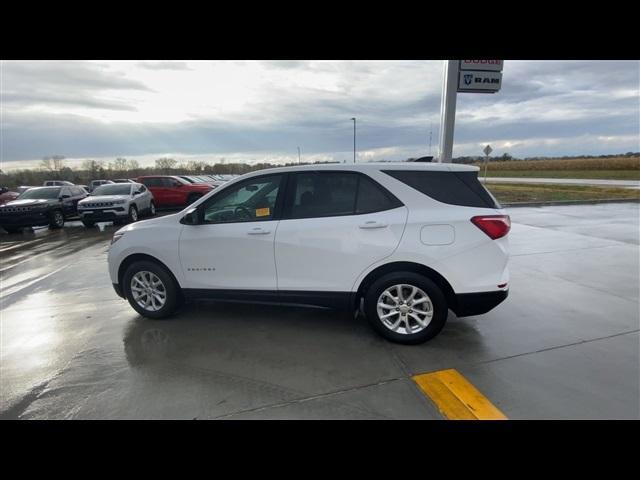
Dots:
pixel 55 168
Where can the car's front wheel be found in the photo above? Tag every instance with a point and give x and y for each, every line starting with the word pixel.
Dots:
pixel 405 307
pixel 152 209
pixel 150 289
pixel 56 220
pixel 12 229
pixel 88 223
pixel 133 214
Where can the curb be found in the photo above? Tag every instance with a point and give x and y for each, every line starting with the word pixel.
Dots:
pixel 570 202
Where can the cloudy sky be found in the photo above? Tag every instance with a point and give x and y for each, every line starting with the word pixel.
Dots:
pixel 262 111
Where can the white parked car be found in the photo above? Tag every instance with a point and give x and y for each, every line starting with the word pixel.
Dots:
pixel 117 202
pixel 404 243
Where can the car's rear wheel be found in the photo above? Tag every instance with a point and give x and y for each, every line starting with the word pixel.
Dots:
pixel 56 220
pixel 406 307
pixel 12 229
pixel 88 223
pixel 152 209
pixel 150 289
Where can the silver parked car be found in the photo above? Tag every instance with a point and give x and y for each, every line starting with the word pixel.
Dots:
pixel 117 202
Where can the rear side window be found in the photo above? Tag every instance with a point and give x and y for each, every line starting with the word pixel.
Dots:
pixel 152 182
pixel 331 194
pixel 454 188
pixel 373 198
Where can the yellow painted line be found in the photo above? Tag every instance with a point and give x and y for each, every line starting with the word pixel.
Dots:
pixel 456 397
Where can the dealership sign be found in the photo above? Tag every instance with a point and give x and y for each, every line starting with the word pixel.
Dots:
pixel 486 65
pixel 480 76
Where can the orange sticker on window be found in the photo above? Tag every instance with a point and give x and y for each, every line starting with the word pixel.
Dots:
pixel 263 212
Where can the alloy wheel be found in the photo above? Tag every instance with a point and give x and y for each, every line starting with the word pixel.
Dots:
pixel 405 309
pixel 148 291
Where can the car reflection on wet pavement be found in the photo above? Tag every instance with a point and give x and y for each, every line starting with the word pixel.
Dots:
pixel 564 345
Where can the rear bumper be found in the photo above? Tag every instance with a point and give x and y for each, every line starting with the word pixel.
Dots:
pixel 468 304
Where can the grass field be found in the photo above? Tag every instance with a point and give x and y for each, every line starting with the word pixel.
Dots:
pixel 615 168
pixel 517 192
pixel 587 174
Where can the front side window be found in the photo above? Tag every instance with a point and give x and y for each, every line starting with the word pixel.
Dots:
pixel 250 201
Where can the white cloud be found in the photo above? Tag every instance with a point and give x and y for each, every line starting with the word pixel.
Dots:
pixel 128 108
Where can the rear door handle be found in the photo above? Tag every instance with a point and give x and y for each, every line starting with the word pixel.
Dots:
pixel 258 231
pixel 372 224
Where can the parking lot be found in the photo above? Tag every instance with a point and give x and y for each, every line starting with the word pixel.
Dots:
pixel 564 345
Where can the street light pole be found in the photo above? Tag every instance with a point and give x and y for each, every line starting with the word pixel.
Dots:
pixel 298 155
pixel 354 140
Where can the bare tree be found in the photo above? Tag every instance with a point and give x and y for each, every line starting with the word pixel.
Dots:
pixel 120 164
pixel 166 164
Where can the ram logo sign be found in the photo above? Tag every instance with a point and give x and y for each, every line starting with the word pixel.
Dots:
pixel 480 82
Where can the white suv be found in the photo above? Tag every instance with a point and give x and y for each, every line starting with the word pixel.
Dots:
pixel 401 242
pixel 117 202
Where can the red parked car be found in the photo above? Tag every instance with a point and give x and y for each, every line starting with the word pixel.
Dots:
pixel 6 195
pixel 170 191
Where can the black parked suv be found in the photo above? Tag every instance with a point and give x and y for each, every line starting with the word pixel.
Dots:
pixel 40 206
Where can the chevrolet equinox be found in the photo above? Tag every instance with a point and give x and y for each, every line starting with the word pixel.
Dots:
pixel 401 243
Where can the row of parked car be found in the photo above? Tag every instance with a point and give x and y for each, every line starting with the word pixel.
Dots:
pixel 118 200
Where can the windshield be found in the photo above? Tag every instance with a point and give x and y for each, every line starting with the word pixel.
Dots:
pixel 113 189
pixel 43 193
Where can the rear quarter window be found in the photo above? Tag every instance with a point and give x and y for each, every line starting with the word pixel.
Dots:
pixel 454 188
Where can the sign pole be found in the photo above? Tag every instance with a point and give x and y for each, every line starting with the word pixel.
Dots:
pixel 487 151
pixel 448 110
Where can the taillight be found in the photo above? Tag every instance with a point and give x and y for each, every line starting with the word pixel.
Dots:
pixel 495 226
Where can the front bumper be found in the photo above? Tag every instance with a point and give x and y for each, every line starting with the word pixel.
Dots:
pixel 104 215
pixel 468 304
pixel 32 219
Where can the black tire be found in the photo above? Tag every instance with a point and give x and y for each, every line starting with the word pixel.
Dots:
pixel 132 217
pixel 88 223
pixel 12 229
pixel 438 300
pixel 170 287
pixel 193 197
pixel 56 219
pixel 152 209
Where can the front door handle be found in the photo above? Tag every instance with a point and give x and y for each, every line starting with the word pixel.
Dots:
pixel 258 231
pixel 372 224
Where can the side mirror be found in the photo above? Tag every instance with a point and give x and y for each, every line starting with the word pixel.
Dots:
pixel 62 197
pixel 191 217
pixel 177 184
pixel 137 192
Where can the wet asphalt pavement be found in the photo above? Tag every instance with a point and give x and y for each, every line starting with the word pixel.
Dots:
pixel 564 345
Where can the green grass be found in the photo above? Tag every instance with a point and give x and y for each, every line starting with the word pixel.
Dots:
pixel 518 192
pixel 588 174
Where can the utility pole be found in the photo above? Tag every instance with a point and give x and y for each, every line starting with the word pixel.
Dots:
pixel 430 136
pixel 354 140
pixel 298 155
pixel 448 109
